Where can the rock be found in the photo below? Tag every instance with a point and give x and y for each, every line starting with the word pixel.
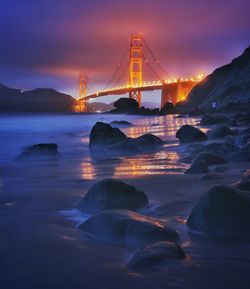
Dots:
pixel 188 133
pixel 106 139
pixel 234 122
pixel 169 108
pixel 244 183
pixel 214 119
pixel 224 149
pixel 221 211
pixel 121 122
pixel 245 131
pixel 220 169
pixel 210 159
pixel 220 132
pixel 196 112
pixel 128 228
pixel 198 167
pixel 243 155
pixel 103 134
pixel 126 105
pixel 229 139
pixel 157 254
pixel 210 177
pixel 148 141
pixel 113 194
pixel 243 139
pixel 39 151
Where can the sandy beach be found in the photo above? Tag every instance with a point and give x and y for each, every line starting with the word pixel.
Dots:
pixel 40 243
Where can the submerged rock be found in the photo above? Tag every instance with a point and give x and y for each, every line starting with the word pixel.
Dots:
pixel 214 119
pixel 113 194
pixel 39 151
pixel 106 139
pixel 188 133
pixel 127 228
pixel 220 132
pixel 157 254
pixel 198 167
pixel 210 159
pixel 221 211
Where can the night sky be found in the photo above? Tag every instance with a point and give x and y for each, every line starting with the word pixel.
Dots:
pixel 47 43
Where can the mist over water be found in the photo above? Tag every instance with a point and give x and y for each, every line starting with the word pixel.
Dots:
pixel 71 133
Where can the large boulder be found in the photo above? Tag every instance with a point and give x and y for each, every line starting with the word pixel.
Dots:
pixel 188 133
pixel 214 119
pixel 220 132
pixel 210 159
pixel 39 152
pixel 126 105
pixel 103 134
pixel 106 139
pixel 113 194
pixel 169 108
pixel 198 167
pixel 128 228
pixel 157 254
pixel 221 211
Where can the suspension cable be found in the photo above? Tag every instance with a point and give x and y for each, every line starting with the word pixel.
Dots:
pixel 155 59
pixel 117 68
pixel 122 74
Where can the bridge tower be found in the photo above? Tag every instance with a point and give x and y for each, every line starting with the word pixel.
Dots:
pixel 135 66
pixel 82 103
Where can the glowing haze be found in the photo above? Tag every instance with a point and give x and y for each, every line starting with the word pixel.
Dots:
pixel 48 43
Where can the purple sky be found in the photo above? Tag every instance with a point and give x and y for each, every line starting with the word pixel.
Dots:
pixel 48 43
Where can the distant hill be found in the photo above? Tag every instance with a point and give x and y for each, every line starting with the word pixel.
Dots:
pixel 38 100
pixel 226 85
pixel 99 106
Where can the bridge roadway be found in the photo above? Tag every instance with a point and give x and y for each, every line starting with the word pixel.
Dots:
pixel 146 87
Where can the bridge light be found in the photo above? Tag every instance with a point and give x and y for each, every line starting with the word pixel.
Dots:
pixel 201 76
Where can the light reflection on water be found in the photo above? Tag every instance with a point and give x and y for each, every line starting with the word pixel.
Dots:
pixel 165 161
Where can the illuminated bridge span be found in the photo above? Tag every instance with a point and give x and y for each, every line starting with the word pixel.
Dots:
pixel 172 90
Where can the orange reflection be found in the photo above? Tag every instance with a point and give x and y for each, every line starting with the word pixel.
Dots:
pixel 88 171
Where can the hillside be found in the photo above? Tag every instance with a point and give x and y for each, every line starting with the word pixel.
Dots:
pixel 38 100
pixel 226 85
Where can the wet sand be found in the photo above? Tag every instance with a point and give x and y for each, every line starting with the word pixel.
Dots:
pixel 41 246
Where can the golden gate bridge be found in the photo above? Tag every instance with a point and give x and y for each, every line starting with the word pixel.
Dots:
pixel 172 90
